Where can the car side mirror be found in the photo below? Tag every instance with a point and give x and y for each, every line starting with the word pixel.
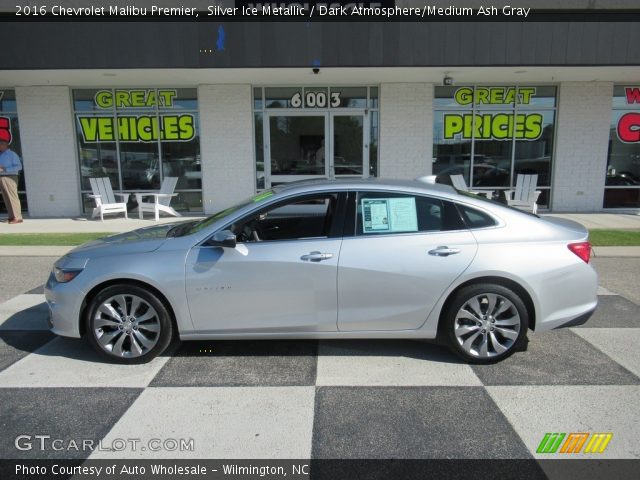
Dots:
pixel 223 238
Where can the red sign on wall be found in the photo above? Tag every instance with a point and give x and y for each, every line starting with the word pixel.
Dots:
pixel 629 124
pixel 5 129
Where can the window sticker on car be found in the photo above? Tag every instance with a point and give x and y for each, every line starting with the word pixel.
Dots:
pixel 389 215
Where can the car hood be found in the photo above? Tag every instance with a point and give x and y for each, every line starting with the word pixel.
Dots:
pixel 142 240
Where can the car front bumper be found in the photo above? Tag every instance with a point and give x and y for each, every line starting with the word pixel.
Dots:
pixel 65 302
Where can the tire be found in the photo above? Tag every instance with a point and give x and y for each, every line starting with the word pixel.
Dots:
pixel 491 334
pixel 136 335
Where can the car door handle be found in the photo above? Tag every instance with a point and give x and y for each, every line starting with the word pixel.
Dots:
pixel 316 256
pixel 444 251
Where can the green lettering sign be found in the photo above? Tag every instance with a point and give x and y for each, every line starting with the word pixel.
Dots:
pixel 138 128
pixel 493 126
pixel 494 95
pixel 136 98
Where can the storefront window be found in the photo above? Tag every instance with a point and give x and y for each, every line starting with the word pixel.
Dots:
pixel 9 122
pixel 622 186
pixel 490 134
pixel 137 137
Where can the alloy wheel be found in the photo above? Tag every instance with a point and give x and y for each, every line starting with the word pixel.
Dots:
pixel 126 326
pixel 487 325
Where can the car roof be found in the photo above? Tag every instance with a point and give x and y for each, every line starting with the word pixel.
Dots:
pixel 369 183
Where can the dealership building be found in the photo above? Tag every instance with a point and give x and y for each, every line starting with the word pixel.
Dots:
pixel 231 108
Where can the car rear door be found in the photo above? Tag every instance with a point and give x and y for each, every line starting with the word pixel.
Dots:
pixel 404 251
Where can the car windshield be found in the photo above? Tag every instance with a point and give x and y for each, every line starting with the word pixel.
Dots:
pixel 193 227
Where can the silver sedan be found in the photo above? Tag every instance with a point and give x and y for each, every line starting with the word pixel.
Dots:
pixel 331 259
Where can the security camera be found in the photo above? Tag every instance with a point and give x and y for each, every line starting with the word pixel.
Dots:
pixel 447 81
pixel 316 70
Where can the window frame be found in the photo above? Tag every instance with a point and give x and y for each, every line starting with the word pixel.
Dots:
pixel 335 230
pixel 351 213
pixel 473 108
pixel 13 114
pixel 114 112
pixel 459 206
pixel 617 106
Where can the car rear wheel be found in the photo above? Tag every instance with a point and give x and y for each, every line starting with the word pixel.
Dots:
pixel 486 323
pixel 128 324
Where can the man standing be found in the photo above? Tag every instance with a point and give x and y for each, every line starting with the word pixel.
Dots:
pixel 10 166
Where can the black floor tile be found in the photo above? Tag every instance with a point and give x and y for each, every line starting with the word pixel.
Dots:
pixel 411 422
pixel 558 357
pixel 68 414
pixel 15 344
pixel 241 363
pixel 614 311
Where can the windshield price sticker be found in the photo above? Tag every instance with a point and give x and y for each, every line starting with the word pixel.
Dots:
pixel 389 215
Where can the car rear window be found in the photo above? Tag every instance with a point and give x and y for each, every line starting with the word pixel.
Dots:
pixel 475 218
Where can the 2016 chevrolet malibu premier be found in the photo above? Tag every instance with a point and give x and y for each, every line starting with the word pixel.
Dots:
pixel 331 259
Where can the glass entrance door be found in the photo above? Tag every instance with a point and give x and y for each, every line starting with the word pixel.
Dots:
pixel 348 145
pixel 295 147
pixel 302 146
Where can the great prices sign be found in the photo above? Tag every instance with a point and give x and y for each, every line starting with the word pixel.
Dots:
pixel 628 127
pixel 174 127
pixel 493 125
pixel 5 126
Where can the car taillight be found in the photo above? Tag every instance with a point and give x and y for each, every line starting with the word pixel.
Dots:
pixel 582 249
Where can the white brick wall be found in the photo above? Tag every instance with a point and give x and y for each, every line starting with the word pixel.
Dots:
pixel 226 145
pixel 582 138
pixel 406 129
pixel 49 151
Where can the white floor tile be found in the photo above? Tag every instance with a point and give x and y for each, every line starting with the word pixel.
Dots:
pixel 390 364
pixel 621 344
pixel 224 422
pixel 536 410
pixel 65 362
pixel 24 312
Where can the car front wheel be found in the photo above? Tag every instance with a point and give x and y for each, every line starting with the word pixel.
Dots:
pixel 486 323
pixel 128 324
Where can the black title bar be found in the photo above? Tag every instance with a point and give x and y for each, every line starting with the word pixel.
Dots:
pixel 290 11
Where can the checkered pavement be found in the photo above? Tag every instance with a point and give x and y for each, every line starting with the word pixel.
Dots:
pixel 326 399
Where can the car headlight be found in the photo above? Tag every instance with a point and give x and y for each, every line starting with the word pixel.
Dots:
pixel 64 275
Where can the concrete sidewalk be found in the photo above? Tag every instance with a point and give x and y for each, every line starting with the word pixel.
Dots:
pixel 602 220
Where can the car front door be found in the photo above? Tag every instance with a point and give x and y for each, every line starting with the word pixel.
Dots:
pixel 280 277
pixel 404 252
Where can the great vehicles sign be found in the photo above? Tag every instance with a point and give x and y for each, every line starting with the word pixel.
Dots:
pixel 143 127
pixel 489 125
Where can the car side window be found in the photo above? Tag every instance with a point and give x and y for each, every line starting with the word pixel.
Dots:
pixel 308 217
pixel 475 218
pixel 379 213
